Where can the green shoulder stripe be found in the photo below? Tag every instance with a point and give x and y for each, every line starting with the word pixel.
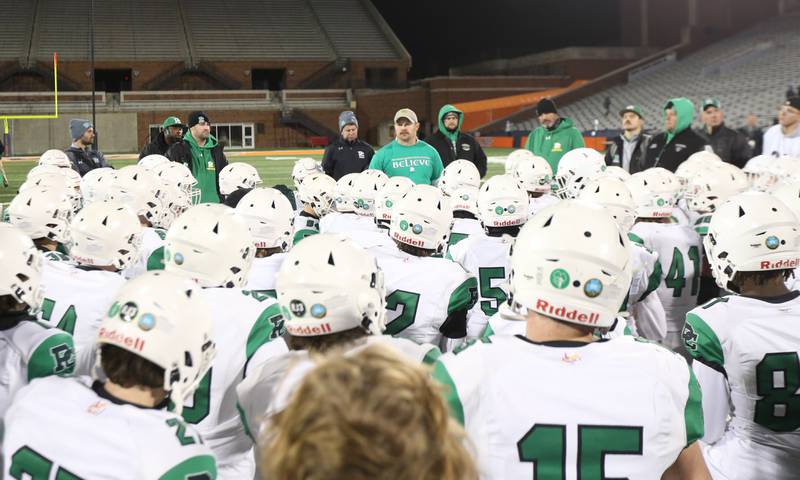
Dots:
pixel 54 356
pixel 702 343
pixel 243 419
pixel 635 238
pixel 267 327
pixel 156 260
pixel 456 237
pixel 201 466
pixel 301 234
pixel 693 412
pixel 488 331
pixel 432 356
pixel 653 281
pixel 464 297
pixel 441 374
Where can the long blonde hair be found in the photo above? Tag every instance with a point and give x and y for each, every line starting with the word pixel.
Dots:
pixel 368 415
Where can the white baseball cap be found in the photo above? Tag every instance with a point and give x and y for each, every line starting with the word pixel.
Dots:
pixel 406 113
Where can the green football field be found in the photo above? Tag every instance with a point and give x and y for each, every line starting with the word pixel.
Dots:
pixel 273 170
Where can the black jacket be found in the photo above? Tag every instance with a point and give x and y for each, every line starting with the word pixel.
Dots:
pixel 755 138
pixel 466 149
pixel 670 155
pixel 730 145
pixel 615 150
pixel 158 146
pixel 342 157
pixel 85 160
pixel 181 152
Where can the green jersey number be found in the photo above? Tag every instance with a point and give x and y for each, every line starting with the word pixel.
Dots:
pixel 29 464
pixel 495 295
pixel 676 276
pixel 777 382
pixel 545 445
pixel 409 301
pixel 67 321
pixel 201 401
pixel 180 433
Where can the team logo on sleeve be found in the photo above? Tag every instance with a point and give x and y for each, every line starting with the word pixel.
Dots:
pixel 64 358
pixel 689 337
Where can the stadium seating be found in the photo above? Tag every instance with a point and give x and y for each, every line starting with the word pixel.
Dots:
pixel 748 72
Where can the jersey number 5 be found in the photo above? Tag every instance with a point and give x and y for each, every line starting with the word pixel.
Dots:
pixel 546 446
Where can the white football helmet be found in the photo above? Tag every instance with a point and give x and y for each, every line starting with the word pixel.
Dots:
pixel 365 191
pixel 502 203
pixel 751 232
pixel 571 262
pixel 22 267
pixel 238 175
pixel 328 284
pixel 696 162
pixel 178 174
pixel 161 317
pixel 42 213
pixel 318 190
pixel 344 193
pixel 612 194
pixel 269 217
pixel 712 185
pixel 210 244
pixel 619 173
pixel 42 170
pixel 465 199
pixel 139 189
pixel 789 194
pixel 534 174
pixel 761 172
pixel 96 184
pixel 576 168
pixel 150 162
pixel 786 168
pixel 460 173
pixel 422 218
pixel 105 234
pixel 304 167
pixel 515 157
pixel 654 194
pixel 56 158
pixel 387 198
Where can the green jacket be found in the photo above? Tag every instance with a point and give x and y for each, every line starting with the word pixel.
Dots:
pixel 204 167
pixel 553 144
pixel 452 136
pixel 684 110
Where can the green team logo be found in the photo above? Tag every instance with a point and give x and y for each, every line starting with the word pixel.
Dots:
pixel 689 337
pixel 403 225
pixel 389 204
pixel 660 202
pixel 63 357
pixel 559 278
pixel 114 310
pixel 498 210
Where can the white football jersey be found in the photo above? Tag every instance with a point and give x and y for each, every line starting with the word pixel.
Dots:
pixel 152 240
pixel 538 203
pixel 618 408
pixel 647 317
pixel 422 292
pixel 682 215
pixel 681 255
pixel 463 228
pixel 486 258
pixel 243 321
pixel 76 300
pixel 303 226
pixel 336 222
pixel 29 350
pixel 70 428
pixel 268 387
pixel 755 344
pixel 504 322
pixel 263 272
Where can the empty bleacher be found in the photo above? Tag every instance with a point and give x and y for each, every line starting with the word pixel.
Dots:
pixel 749 72
pixel 352 29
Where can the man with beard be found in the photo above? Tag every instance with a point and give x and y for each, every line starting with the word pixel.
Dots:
pixel 555 136
pixel 726 142
pixel 407 155
pixel 453 144
pixel 83 157
pixel 629 149
pixel 201 152
pixel 172 131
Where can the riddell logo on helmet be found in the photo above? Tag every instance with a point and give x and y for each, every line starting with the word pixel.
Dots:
pixel 662 214
pixel 780 264
pixel 113 336
pixel 83 260
pixel 505 223
pixel 545 307
pixel 306 330
pixel 407 240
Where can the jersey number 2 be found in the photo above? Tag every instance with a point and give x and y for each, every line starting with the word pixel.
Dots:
pixel 27 463
pixel 546 446
pixel 409 302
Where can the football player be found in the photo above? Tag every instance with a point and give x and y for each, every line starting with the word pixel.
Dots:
pixel 43 214
pixel 317 193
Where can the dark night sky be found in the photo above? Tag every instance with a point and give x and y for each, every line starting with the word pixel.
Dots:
pixel 441 34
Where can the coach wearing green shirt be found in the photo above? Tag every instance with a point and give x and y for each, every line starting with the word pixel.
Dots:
pixel 200 152
pixel 406 155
